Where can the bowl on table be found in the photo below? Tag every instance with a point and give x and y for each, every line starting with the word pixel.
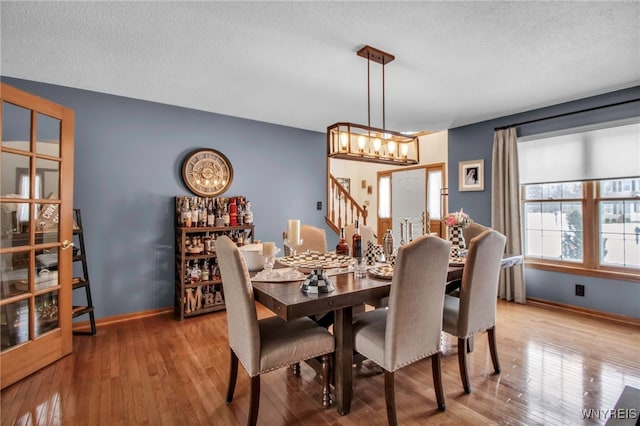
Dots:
pixel 253 256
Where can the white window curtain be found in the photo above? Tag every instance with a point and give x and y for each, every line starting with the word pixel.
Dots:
pixel 505 210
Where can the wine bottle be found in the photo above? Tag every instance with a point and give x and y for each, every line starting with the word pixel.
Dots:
pixel 357 242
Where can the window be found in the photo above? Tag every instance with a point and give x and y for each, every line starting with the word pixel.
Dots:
pixel 434 200
pixel 593 224
pixel 619 222
pixel 384 197
pixel 581 199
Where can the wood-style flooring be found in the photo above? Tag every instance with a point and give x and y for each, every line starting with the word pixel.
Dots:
pixel 159 371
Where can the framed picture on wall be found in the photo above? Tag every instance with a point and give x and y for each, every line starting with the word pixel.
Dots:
pixel 471 175
pixel 346 183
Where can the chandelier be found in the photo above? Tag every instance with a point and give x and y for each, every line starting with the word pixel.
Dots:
pixel 358 142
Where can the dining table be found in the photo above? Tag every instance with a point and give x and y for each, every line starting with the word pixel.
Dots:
pixel 287 301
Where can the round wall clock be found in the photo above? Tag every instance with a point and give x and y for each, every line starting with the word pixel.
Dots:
pixel 207 172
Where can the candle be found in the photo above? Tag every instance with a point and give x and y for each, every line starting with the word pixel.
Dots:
pixel 268 249
pixel 293 231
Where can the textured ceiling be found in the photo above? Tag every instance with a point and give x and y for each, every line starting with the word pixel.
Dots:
pixel 294 63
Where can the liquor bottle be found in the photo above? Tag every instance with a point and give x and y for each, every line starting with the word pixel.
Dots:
pixel 233 213
pixel 240 215
pixel 240 202
pixel 205 271
pixel 211 217
pixel 194 212
pixel 185 214
pixel 206 242
pixel 356 245
pixel 187 274
pixel 219 219
pixel 226 219
pixel 342 247
pixel 196 273
pixel 203 214
pixel 248 214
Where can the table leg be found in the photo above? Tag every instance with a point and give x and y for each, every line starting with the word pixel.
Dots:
pixel 343 331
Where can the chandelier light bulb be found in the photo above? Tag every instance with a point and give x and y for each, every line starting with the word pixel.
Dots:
pixel 391 146
pixel 361 142
pixel 344 139
pixel 376 145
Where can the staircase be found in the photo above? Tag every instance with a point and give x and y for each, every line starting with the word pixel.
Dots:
pixel 342 208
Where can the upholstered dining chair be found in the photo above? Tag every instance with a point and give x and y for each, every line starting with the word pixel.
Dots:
pixel 313 239
pixel 409 329
pixel 473 230
pixel 475 310
pixel 470 232
pixel 366 232
pixel 268 344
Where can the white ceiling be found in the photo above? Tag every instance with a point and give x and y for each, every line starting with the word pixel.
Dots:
pixel 295 63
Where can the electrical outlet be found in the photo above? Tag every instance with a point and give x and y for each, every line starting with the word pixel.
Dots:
pixel 319 205
pixel 580 290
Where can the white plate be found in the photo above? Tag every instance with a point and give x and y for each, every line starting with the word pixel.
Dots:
pixel 456 261
pixel 384 272
pixel 279 276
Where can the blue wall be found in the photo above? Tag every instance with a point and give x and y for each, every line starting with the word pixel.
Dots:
pixel 128 155
pixel 475 141
pixel 128 158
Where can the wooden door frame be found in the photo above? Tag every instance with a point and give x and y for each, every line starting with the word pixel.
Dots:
pixel 435 225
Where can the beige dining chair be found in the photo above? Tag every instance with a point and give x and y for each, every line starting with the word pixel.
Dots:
pixel 409 330
pixel 366 232
pixel 470 232
pixel 473 230
pixel 268 344
pixel 313 239
pixel 475 310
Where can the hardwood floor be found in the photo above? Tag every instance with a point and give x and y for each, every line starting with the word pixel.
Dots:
pixel 159 371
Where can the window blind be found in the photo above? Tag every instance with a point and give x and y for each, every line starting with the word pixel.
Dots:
pixel 605 151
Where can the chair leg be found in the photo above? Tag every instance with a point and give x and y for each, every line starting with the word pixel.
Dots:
pixel 254 401
pixel 437 380
pixel 296 369
pixel 389 395
pixel 493 349
pixel 469 344
pixel 233 375
pixel 326 379
pixel 462 361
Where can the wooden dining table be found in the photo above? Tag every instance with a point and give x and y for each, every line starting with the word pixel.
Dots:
pixel 287 301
